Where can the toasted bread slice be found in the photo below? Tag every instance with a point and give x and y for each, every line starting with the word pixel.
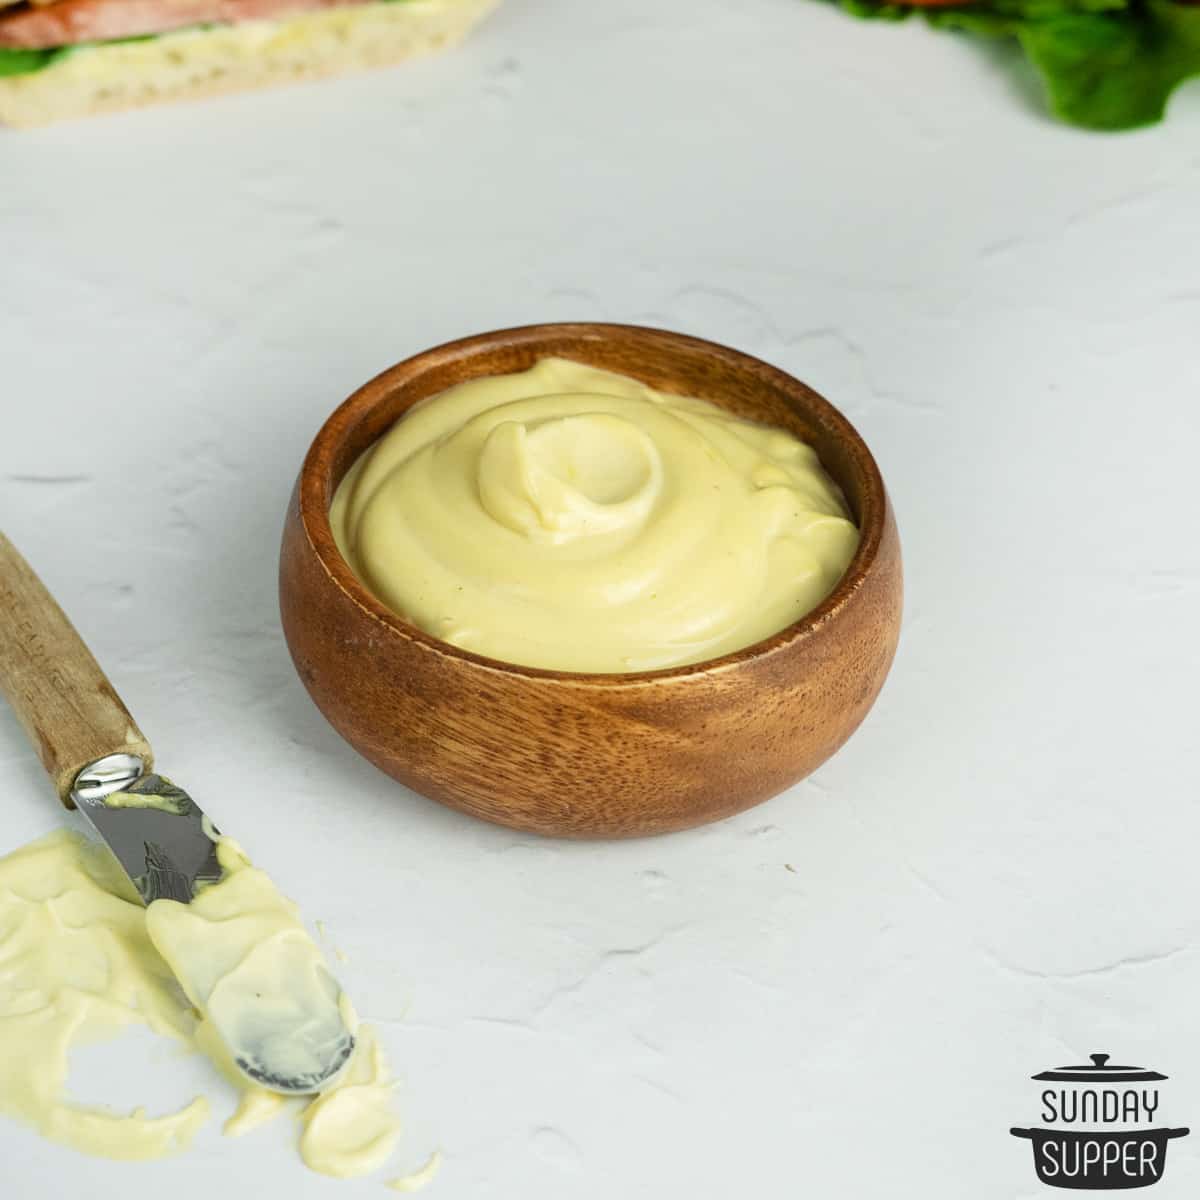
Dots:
pixel 204 62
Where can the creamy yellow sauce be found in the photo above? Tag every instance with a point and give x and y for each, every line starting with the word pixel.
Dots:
pixel 76 966
pixel 578 520
pixel 420 1178
pixel 352 1128
pixel 164 803
pixel 81 959
pixel 245 960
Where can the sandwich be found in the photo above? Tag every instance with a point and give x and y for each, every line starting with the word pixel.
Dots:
pixel 69 58
pixel 1105 64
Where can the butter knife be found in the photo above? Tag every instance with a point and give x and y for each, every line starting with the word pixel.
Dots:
pixel 101 764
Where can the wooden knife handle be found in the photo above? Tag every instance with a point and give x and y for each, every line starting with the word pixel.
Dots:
pixel 64 701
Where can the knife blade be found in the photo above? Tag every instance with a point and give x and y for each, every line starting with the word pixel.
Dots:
pixel 159 834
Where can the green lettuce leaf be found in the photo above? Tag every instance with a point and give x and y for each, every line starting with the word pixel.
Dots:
pixel 25 62
pixel 1106 64
pixel 1112 72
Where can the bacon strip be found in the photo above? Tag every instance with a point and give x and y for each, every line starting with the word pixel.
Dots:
pixel 70 22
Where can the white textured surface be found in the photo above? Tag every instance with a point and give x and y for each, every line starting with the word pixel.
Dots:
pixel 996 875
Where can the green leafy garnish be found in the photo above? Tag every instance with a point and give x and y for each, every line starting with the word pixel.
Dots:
pixel 1106 64
pixel 25 62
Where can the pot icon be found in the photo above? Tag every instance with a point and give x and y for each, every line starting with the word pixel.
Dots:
pixel 1099 1132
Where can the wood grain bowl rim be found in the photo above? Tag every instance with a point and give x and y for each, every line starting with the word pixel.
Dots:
pixel 316 488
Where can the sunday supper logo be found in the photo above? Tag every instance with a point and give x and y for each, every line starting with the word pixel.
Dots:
pixel 1099 1127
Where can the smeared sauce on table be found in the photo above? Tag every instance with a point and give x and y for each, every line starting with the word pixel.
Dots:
pixel 81 960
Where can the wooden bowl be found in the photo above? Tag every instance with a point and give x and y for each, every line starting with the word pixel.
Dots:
pixel 590 755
